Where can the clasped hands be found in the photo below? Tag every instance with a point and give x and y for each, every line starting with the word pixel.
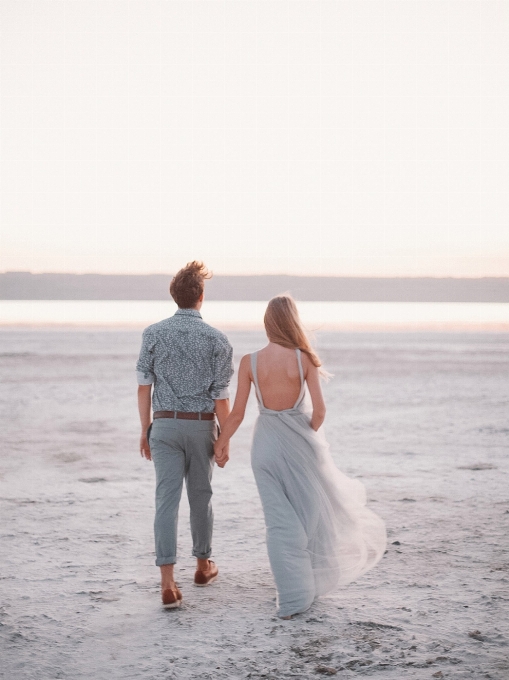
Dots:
pixel 221 452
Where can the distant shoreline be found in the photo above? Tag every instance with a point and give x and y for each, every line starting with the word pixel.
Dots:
pixel 27 286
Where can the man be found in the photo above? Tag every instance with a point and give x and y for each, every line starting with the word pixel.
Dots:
pixel 189 363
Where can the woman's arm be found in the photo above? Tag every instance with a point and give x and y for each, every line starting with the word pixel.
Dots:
pixel 237 414
pixel 315 390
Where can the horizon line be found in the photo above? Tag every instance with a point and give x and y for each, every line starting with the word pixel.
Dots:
pixel 301 276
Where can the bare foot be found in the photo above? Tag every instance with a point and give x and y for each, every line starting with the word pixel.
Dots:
pixel 286 618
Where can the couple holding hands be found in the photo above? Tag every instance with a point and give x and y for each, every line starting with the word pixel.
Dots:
pixel 320 534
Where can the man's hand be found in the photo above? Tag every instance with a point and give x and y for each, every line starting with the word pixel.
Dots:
pixel 221 452
pixel 145 448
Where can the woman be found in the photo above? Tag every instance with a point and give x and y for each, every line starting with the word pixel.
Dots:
pixel 319 532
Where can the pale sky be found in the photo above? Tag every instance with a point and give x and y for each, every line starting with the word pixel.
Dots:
pixel 263 136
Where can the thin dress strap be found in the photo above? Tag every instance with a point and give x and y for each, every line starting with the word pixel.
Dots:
pixel 301 373
pixel 254 357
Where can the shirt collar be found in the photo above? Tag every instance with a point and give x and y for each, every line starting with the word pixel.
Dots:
pixel 189 312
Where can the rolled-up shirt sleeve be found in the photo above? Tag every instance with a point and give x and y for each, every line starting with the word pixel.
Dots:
pixel 145 366
pixel 223 370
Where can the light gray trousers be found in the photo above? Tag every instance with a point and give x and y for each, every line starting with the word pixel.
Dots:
pixel 183 449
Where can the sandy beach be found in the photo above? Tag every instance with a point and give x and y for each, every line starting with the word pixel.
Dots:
pixel 420 418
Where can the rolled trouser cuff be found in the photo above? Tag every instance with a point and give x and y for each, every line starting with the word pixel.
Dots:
pixel 202 556
pixel 161 561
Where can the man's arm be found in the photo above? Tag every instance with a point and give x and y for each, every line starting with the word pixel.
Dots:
pixel 221 447
pixel 145 410
pixel 222 371
pixel 222 412
pixel 146 377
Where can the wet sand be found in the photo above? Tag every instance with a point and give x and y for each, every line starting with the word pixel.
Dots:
pixel 421 419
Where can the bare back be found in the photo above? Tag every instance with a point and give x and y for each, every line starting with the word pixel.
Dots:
pixel 279 383
pixel 278 377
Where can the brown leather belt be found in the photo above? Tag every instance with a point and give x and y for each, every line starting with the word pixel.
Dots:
pixel 184 415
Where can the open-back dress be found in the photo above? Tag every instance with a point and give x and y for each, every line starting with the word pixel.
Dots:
pixel 320 534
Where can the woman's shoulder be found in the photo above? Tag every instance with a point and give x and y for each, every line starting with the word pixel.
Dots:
pixel 248 357
pixel 245 361
pixel 307 365
pixel 304 357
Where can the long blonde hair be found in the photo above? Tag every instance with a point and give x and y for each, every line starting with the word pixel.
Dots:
pixel 284 327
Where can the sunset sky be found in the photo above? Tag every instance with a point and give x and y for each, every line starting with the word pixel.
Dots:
pixel 263 136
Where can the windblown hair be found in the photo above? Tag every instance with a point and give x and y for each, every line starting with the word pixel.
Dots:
pixel 284 327
pixel 187 285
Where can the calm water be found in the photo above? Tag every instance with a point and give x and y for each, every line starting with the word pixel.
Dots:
pixel 316 315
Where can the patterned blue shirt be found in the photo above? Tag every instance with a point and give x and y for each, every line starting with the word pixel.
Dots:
pixel 188 362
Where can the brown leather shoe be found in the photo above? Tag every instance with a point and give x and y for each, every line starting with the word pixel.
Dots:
pixel 204 578
pixel 172 598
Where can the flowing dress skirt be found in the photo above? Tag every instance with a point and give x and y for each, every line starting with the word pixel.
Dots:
pixel 320 534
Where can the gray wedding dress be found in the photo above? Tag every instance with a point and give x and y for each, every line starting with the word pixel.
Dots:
pixel 320 534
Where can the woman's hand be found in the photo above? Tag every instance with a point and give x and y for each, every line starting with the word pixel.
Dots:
pixel 222 452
